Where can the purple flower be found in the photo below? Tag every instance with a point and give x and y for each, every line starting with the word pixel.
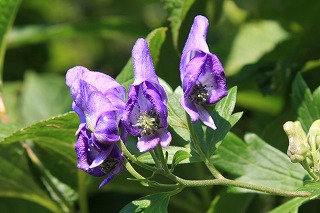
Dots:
pixel 201 73
pixel 146 113
pixel 99 102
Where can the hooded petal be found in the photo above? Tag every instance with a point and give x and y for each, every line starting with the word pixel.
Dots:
pixel 143 66
pixel 101 81
pixel 195 43
pixel 107 129
pixel 142 63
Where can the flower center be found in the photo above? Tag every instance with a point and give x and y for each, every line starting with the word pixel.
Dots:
pixel 199 94
pixel 148 122
pixel 108 165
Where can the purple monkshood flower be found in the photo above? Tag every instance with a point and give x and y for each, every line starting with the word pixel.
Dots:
pixel 146 113
pixel 99 102
pixel 201 74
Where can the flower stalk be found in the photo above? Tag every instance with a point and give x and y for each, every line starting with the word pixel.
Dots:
pixel 196 143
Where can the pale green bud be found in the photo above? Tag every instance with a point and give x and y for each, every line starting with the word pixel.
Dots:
pixel 314 133
pixel 314 143
pixel 298 145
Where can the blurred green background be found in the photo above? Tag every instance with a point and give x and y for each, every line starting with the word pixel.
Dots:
pixel 262 45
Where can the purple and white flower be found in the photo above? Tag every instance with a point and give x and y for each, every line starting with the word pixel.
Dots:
pixel 201 73
pixel 99 102
pixel 146 113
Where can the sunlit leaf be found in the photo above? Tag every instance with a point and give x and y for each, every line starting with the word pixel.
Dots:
pixel 179 156
pixel 156 203
pixel 253 40
pixel 54 139
pixel 44 96
pixel 256 162
pixel 155 40
pixel 177 119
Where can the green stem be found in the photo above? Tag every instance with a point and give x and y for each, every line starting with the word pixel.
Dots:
pixel 227 182
pixel 306 166
pixel 196 143
pixel 132 171
pixel 133 158
pixel 83 199
pixel 162 159
pixel 155 159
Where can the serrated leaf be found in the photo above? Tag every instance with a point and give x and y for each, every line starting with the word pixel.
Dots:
pixel 16 181
pixel 306 103
pixel 155 40
pixel 156 203
pixel 256 162
pixel 178 10
pixel 171 150
pixel 54 139
pixel 313 188
pixel 290 206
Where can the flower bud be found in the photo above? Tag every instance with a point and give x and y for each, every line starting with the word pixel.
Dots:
pixel 298 145
pixel 314 134
pixel 314 143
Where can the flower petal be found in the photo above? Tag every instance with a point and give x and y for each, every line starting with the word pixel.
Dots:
pixel 101 81
pixel 190 108
pixel 165 137
pixel 142 62
pixel 101 157
pixel 205 117
pixel 148 142
pixel 196 42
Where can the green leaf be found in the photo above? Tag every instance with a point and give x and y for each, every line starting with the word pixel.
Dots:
pixel 16 181
pixel 224 120
pixel 54 139
pixel 8 9
pixel 156 203
pixel 44 96
pixel 253 40
pixel 177 118
pixel 221 203
pixel 155 40
pixel 313 188
pixel 258 163
pixel 291 206
pixel 178 10
pixel 306 103
pixel 184 155
pixel 179 156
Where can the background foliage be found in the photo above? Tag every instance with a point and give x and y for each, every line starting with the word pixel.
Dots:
pixel 270 51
